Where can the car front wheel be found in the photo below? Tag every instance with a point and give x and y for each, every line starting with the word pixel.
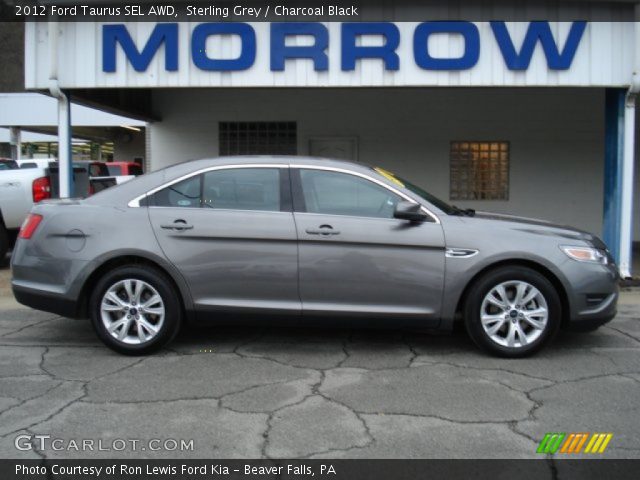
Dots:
pixel 134 310
pixel 512 311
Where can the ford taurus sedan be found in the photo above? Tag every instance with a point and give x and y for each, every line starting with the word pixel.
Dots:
pixel 302 238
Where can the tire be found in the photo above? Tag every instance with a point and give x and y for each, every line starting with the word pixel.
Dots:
pixel 4 243
pixel 510 332
pixel 138 327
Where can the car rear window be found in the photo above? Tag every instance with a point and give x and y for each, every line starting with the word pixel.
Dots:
pixel 185 194
pixel 115 169
pixel 98 170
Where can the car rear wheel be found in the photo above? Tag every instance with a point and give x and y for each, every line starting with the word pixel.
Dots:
pixel 134 310
pixel 512 311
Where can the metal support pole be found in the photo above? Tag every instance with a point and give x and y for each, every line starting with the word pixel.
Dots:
pixel 15 142
pixel 626 205
pixel 65 168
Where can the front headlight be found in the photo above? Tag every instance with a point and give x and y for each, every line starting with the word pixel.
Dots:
pixel 585 254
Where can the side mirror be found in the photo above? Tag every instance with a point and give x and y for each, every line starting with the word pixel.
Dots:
pixel 409 211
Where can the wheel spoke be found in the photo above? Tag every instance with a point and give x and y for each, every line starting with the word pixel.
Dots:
pixel 521 289
pixel 141 335
pixel 537 324
pixel 137 291
pixel 538 312
pixel 115 299
pixel 117 324
pixel 148 326
pixel 497 326
pixel 492 323
pixel 503 295
pixel 533 293
pixel 521 335
pixel 124 330
pixel 129 289
pixel 152 311
pixel 501 301
pixel 151 301
pixel 112 308
pixel 511 335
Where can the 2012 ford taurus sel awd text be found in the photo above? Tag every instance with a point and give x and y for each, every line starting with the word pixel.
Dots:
pixel 305 239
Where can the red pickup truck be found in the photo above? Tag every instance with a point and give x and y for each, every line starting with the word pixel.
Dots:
pixel 124 168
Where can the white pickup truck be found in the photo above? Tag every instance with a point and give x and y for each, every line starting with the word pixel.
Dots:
pixel 36 180
pixel 19 189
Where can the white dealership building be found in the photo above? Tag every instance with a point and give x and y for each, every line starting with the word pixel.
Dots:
pixel 531 118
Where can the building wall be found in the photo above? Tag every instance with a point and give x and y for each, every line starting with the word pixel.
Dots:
pixel 12 56
pixel 128 146
pixel 556 136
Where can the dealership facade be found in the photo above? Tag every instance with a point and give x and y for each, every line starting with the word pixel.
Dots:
pixel 529 118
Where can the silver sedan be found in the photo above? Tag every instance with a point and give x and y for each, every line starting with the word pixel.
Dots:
pixel 299 239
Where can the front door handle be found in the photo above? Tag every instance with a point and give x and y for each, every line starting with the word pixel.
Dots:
pixel 325 230
pixel 178 225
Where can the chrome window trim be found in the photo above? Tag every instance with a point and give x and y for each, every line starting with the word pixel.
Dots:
pixel 135 203
pixel 234 210
pixel 371 179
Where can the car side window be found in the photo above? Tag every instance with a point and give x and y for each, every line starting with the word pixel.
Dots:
pixel 335 193
pixel 242 189
pixel 184 194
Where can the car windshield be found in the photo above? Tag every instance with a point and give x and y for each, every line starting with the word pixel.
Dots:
pixel 441 204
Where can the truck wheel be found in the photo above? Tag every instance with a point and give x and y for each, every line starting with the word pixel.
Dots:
pixel 512 311
pixel 134 310
pixel 4 243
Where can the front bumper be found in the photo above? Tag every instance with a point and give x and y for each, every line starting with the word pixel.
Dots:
pixel 594 294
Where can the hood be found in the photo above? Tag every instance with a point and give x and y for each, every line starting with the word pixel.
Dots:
pixel 541 227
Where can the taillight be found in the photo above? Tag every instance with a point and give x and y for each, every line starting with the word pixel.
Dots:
pixel 29 225
pixel 92 189
pixel 41 189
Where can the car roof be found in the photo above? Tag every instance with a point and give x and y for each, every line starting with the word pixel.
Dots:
pixel 267 159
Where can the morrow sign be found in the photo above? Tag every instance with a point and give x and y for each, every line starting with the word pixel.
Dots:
pixel 559 53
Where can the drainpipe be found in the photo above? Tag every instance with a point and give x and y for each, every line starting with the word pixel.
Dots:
pixel 626 213
pixel 65 169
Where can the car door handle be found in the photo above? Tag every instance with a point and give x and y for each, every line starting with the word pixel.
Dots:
pixel 325 230
pixel 178 225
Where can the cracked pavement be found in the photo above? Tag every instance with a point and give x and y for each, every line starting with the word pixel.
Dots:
pixel 314 393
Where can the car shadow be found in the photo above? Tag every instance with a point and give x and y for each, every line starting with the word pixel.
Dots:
pixel 314 340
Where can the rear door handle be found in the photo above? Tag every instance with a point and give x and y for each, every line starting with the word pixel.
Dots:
pixel 178 225
pixel 325 230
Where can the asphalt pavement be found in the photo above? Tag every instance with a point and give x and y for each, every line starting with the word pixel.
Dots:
pixel 310 393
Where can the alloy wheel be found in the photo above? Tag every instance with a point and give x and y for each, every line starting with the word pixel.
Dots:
pixel 132 311
pixel 514 314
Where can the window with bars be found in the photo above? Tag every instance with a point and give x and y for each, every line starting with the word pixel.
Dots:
pixel 479 170
pixel 258 138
